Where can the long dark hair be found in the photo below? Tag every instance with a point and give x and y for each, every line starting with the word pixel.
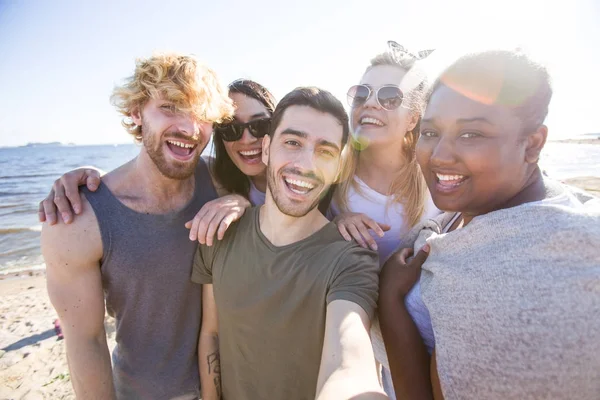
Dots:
pixel 225 171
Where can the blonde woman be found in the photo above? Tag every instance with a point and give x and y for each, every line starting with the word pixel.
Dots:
pixel 382 187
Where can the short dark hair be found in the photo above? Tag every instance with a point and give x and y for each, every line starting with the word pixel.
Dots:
pixel 525 85
pixel 315 98
pixel 225 171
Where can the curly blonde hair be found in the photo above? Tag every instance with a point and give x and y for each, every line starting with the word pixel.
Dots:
pixel 181 79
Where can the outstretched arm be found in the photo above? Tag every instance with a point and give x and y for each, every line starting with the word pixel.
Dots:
pixel 72 253
pixel 348 368
pixel 209 358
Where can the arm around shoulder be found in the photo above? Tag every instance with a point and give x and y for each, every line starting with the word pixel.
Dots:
pixel 72 254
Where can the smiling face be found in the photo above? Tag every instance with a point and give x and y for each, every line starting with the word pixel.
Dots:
pixel 475 157
pixel 303 159
pixel 172 139
pixel 373 124
pixel 246 153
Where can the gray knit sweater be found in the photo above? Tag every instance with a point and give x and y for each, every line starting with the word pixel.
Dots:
pixel 514 299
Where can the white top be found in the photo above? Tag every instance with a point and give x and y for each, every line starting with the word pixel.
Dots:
pixel 377 207
pixel 417 309
pixel 256 197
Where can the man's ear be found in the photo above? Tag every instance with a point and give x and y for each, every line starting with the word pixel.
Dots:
pixel 136 116
pixel 266 143
pixel 535 144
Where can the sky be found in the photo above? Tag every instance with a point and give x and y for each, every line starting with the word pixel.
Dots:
pixel 61 59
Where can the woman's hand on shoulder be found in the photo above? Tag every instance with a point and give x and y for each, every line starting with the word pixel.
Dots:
pixel 64 197
pixel 215 217
pixel 359 226
pixel 397 276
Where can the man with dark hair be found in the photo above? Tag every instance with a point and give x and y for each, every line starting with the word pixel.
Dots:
pixel 292 298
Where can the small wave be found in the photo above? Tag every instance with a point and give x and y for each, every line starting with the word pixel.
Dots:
pixel 9 213
pixel 8 231
pixel 2 194
pixel 27 250
pixel 36 267
pixel 28 176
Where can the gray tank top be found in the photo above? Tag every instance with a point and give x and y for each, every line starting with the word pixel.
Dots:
pixel 146 267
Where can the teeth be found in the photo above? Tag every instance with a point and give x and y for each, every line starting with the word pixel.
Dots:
pixel 300 183
pixel 369 120
pixel 250 152
pixel 449 177
pixel 181 144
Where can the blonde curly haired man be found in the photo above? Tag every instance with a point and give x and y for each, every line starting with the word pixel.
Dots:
pixel 129 247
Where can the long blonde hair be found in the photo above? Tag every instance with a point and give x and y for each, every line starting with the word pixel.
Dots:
pixel 408 186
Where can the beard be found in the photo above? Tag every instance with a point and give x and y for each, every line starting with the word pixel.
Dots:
pixel 286 206
pixel 171 169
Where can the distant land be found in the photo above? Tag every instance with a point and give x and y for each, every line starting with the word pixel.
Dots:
pixel 59 144
pixel 40 144
pixel 588 138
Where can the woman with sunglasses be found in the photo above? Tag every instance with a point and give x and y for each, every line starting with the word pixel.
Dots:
pixel 382 188
pixel 237 166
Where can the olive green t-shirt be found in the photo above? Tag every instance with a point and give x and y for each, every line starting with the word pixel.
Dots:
pixel 271 304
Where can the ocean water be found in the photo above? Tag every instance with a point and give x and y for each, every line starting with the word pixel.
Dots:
pixel 27 174
pixel 26 177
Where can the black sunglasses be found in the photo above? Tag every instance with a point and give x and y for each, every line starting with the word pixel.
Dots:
pixel 389 97
pixel 232 131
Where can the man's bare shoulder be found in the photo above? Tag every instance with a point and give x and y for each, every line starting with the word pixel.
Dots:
pixel 80 241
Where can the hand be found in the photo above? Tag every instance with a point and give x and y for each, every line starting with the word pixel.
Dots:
pixel 403 255
pixel 357 226
pixel 216 214
pixel 397 277
pixel 65 195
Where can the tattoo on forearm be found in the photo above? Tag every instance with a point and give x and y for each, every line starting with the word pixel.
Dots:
pixel 218 386
pixel 213 361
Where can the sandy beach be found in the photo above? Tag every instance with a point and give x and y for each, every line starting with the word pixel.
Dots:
pixel 32 360
pixel 590 184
